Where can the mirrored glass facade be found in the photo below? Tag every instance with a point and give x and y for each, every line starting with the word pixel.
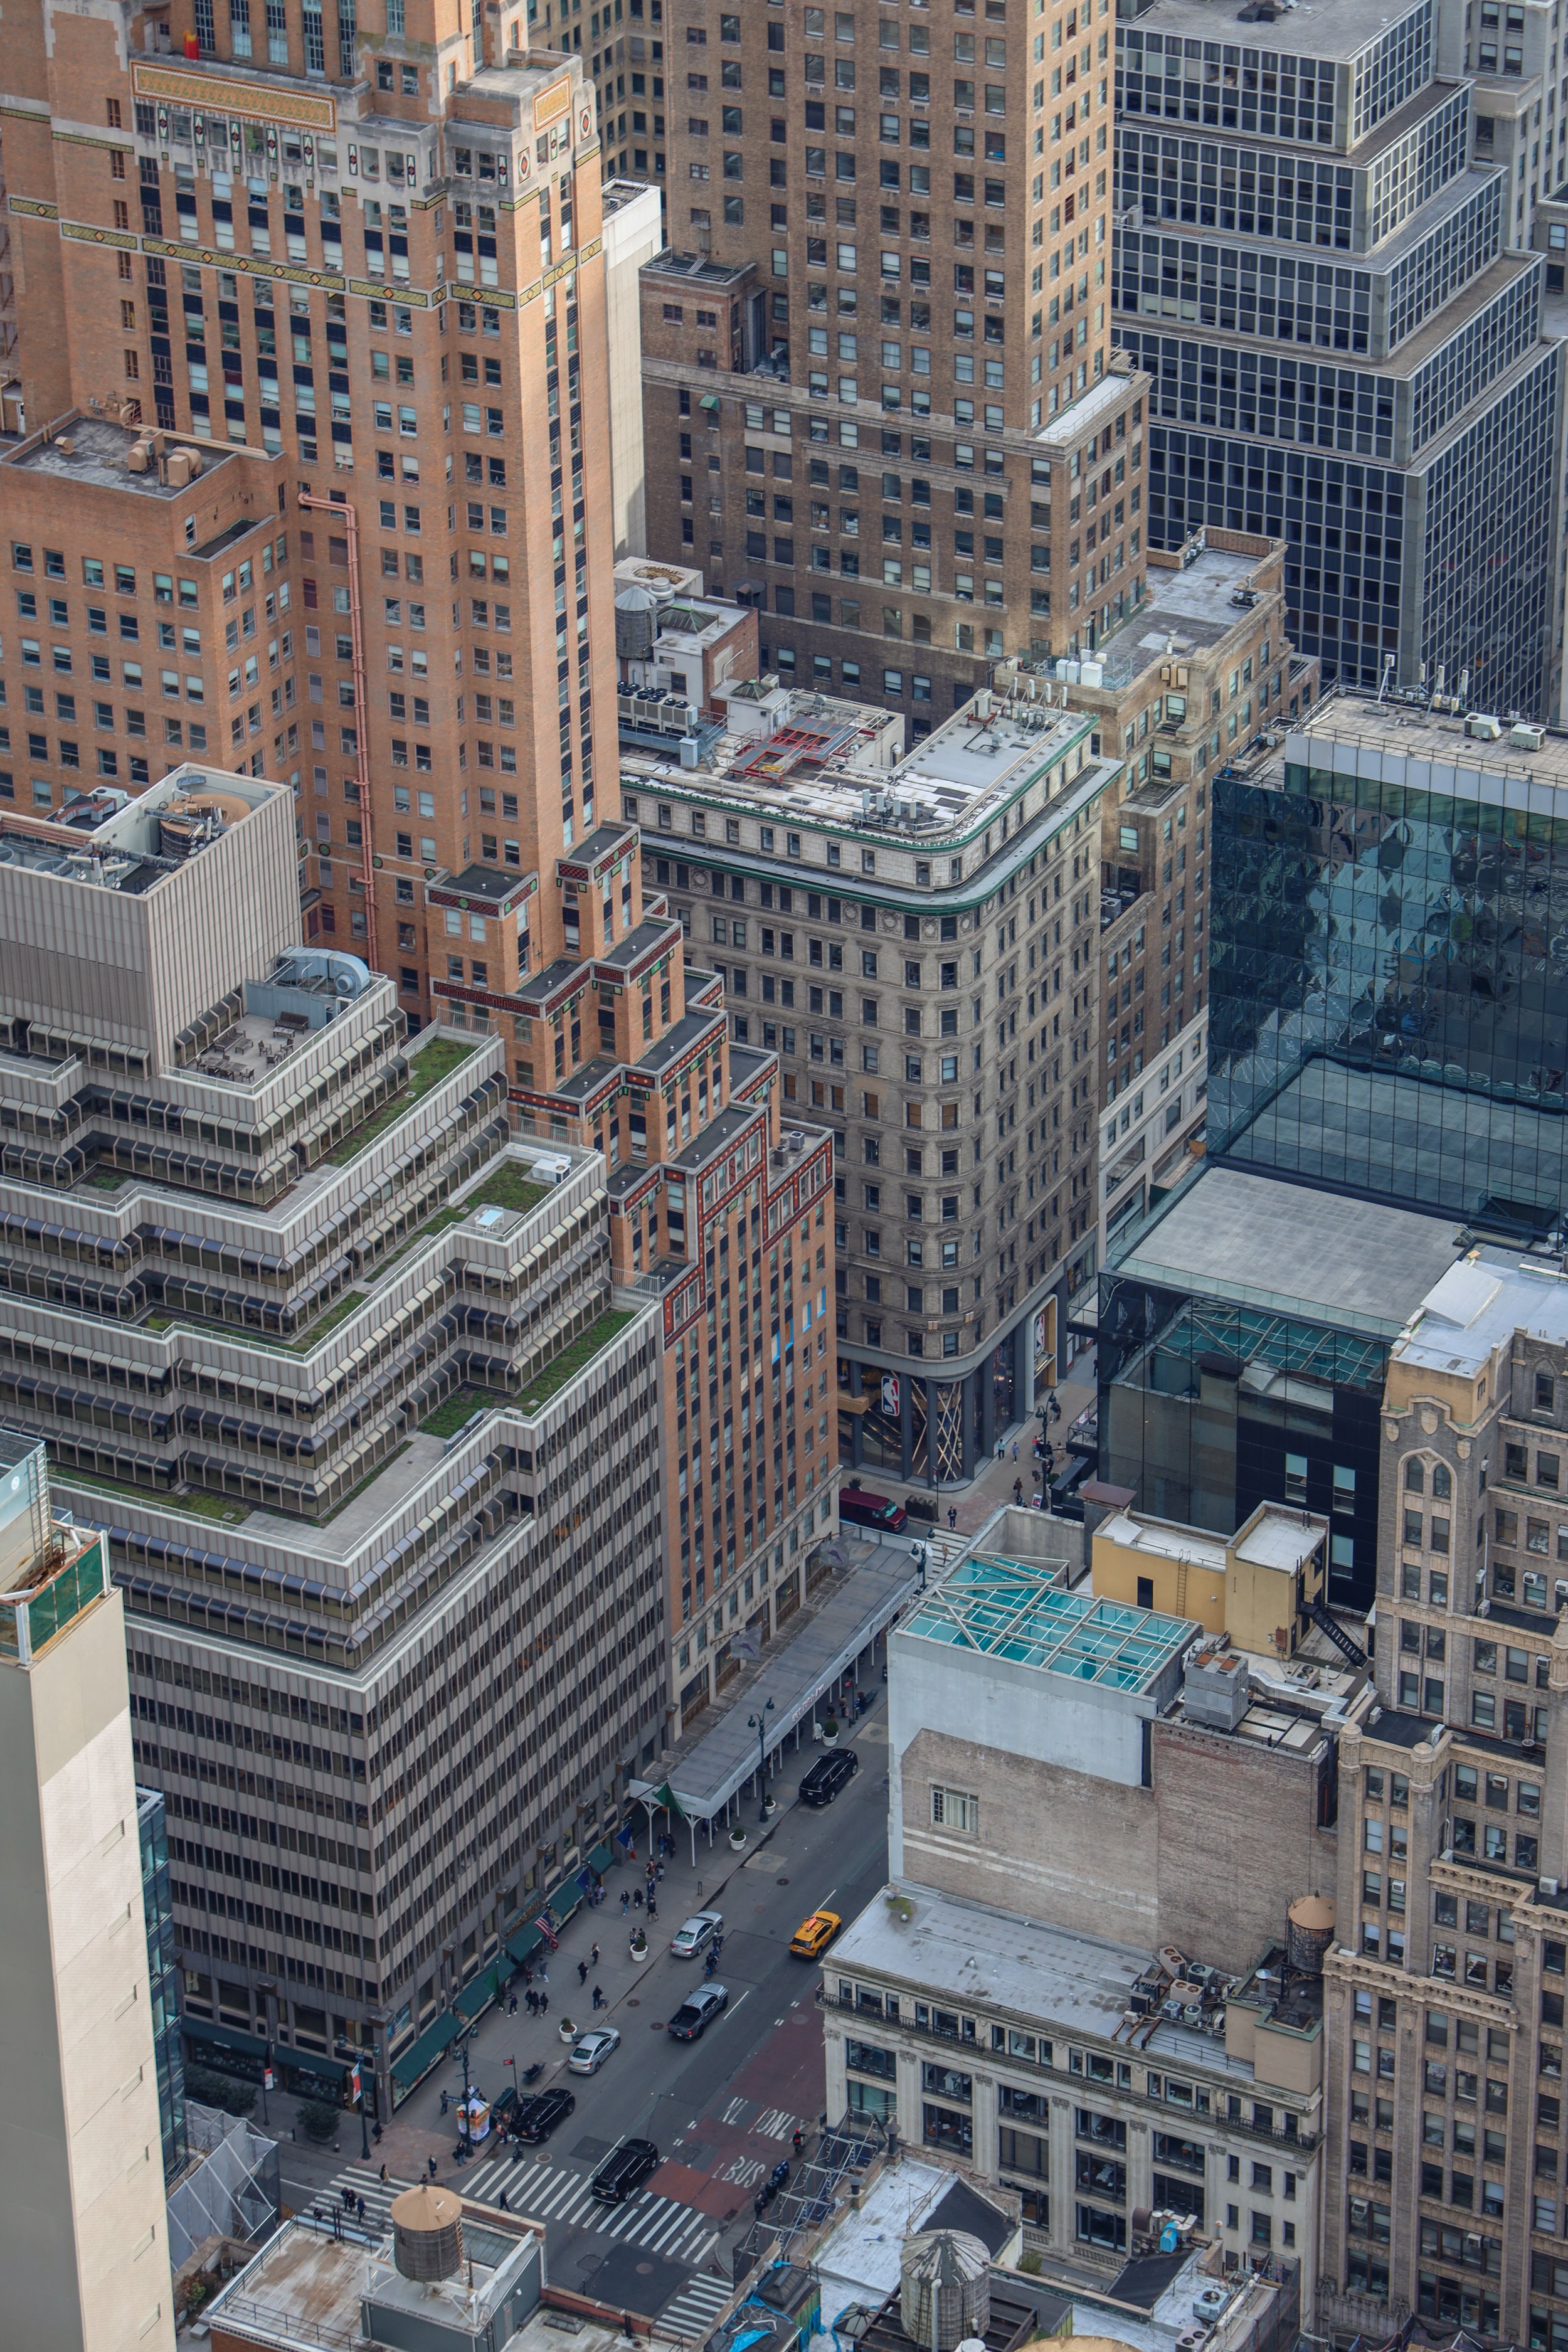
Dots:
pixel 1389 1006
pixel 162 1975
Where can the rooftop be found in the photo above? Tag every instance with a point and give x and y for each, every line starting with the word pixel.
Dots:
pixel 670 264
pixel 1183 612
pixel 1479 1306
pixel 790 753
pixel 1325 29
pixel 1345 730
pixel 858 2259
pixel 100 453
pixel 141 841
pixel 1053 1977
pixel 1005 1609
pixel 1165 1540
pixel 1362 1265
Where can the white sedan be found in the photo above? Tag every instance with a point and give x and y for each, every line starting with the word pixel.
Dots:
pixel 695 1935
pixel 590 2050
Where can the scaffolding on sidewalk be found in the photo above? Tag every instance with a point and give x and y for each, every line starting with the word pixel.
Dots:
pixel 818 2178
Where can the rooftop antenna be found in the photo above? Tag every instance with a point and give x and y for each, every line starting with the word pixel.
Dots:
pixel 1386 680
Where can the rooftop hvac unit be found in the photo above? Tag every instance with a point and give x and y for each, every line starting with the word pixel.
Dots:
pixel 1483 727
pixel 1527 739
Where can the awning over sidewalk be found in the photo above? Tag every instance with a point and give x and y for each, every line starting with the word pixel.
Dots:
pixel 227 2037
pixel 866 1601
pixel 479 1993
pixel 416 2061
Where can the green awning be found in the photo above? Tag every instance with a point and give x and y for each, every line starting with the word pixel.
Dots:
pixel 308 2062
pixel 564 1902
pixel 198 2030
pixel 421 2054
pixel 524 1945
pixel 709 401
pixel 601 1858
pixel 477 1995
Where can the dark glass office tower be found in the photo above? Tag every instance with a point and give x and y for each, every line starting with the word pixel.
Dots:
pixel 1344 352
pixel 1389 965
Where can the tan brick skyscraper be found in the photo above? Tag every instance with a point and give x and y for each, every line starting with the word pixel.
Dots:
pixel 370 254
pixel 905 211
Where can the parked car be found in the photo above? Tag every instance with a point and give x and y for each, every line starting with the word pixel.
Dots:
pixel 537 2117
pixel 590 2050
pixel 697 2010
pixel 695 1935
pixel 865 1510
pixel 626 2168
pixel 828 1775
pixel 813 1935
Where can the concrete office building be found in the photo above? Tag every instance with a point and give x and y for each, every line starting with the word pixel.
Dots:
pixel 633 233
pixel 881 398
pixel 1390 406
pixel 345 1391
pixel 1386 1008
pixel 362 272
pixel 86 2245
pixel 1444 2159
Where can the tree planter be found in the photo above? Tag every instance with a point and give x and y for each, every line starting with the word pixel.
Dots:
pixel 638 1946
pixel 737 1837
pixel 566 2030
pixel 830 1733
pixel 769 1806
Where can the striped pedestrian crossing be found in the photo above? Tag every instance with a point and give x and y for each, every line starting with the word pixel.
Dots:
pixel 549 2192
pixel 693 2311
pixel 378 2194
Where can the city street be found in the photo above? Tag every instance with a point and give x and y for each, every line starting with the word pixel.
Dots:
pixel 721 2111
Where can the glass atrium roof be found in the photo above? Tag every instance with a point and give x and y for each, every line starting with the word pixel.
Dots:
pixel 1008 1610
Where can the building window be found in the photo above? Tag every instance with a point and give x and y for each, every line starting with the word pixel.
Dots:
pixel 950 1809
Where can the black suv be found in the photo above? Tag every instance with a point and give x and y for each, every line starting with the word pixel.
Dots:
pixel 625 2169
pixel 828 1775
pixel 537 2117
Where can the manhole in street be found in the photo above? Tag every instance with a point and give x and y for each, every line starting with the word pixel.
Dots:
pixel 645 2270
pixel 632 2001
pixel 657 2026
pixel 783 1882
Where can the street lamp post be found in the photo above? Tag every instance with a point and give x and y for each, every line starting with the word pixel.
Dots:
pixel 757 1723
pixel 360 2056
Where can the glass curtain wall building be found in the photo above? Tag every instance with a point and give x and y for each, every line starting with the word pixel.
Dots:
pixel 162 1971
pixel 1389 966
pixel 1344 353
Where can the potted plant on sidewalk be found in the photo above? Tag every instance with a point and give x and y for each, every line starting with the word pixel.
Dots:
pixel 738 1836
pixel 567 2030
pixel 830 1731
pixel 639 1943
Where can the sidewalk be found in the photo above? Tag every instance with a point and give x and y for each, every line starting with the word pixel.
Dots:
pixel 991 1484
pixel 418 2130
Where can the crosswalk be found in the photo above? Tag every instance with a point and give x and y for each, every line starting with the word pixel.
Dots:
pixel 549 2192
pixel 693 2311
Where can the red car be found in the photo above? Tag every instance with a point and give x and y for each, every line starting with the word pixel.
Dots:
pixel 879 1511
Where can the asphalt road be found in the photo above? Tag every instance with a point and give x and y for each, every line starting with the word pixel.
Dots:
pixel 651 2086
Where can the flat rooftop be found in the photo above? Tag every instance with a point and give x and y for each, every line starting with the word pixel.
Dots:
pixel 1280 1538
pixel 1059 1979
pixel 1479 1306
pixel 1164 1539
pixel 825 762
pixel 1006 1609
pixel 1362 1265
pixel 1360 729
pixel 1336 29
pixel 1191 606
pixel 138 843
pixel 98 454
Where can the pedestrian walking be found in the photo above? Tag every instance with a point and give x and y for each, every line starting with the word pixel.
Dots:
pixel 443 2103
pixel 544 2004
pixel 1017 1490
pixel 512 2006
pixel 599 2001
pixel 661 1870
pixel 1001 1447
pixel 359 2208
pixel 652 1908
pixel 581 1972
pixel 348 2198
pixel 951 1516
pixel 384 2172
pixel 626 1901
pixel 431 2161
pixel 1015 1449
pixel 544 1972
pixel 500 2201
pixel 593 1957
pixel 636 1897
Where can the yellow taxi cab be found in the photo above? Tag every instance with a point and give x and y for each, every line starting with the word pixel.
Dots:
pixel 815 1935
